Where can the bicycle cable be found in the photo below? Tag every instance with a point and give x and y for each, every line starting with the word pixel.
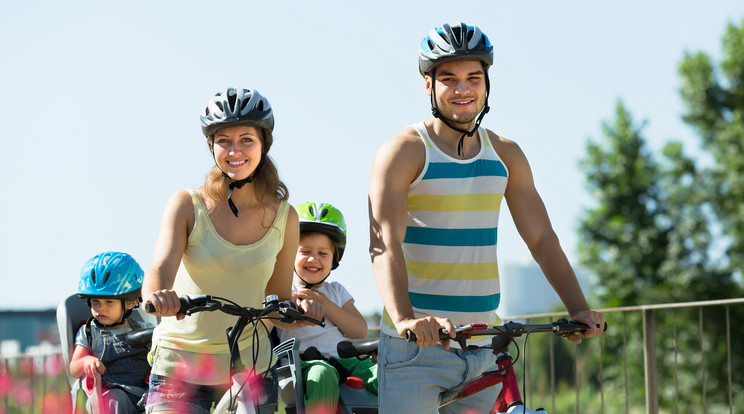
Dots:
pixel 255 342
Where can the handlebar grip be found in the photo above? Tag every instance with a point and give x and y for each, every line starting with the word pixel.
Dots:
pixel 580 323
pixel 185 305
pixel 411 337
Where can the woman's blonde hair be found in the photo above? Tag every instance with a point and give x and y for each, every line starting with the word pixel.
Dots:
pixel 266 183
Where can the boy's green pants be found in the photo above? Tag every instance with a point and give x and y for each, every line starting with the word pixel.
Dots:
pixel 321 381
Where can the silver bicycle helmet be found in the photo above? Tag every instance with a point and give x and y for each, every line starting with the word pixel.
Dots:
pixel 233 107
pixel 452 43
pixel 236 106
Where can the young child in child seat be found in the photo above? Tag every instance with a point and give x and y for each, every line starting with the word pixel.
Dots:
pixel 111 283
pixel 322 244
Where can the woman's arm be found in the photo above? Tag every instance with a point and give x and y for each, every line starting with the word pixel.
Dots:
pixel 280 283
pixel 177 221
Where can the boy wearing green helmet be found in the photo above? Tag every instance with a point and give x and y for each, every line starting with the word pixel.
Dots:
pixel 322 244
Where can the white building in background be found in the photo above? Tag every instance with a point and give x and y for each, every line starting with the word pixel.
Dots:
pixel 524 289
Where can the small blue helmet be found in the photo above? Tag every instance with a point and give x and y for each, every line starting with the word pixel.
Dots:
pixel 111 275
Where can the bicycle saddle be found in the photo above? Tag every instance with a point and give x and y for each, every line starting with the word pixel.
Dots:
pixel 357 347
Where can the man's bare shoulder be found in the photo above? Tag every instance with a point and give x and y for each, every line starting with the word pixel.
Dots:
pixel 405 141
pixel 400 157
pixel 507 149
pixel 406 146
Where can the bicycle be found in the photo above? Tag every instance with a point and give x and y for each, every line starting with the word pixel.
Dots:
pixel 235 401
pixel 509 399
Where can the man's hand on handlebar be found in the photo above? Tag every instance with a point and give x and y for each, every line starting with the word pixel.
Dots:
pixel 595 321
pixel 427 330
pixel 166 303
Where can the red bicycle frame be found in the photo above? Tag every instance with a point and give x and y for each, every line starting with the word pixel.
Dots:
pixel 504 375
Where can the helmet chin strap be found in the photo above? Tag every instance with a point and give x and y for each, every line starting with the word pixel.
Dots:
pixel 239 184
pixel 308 285
pixel 465 132
pixel 126 314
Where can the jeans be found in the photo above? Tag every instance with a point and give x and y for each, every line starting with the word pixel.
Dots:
pixel 414 379
pixel 166 395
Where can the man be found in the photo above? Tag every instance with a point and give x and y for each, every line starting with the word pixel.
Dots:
pixel 434 200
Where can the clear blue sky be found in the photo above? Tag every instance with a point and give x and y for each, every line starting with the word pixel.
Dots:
pixel 100 104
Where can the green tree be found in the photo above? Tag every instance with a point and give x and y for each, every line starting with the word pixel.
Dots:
pixel 624 239
pixel 651 236
pixel 714 101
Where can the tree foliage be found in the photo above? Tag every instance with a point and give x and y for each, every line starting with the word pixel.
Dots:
pixel 714 101
pixel 656 231
pixel 651 237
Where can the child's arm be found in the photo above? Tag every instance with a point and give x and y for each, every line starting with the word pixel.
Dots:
pixel 84 363
pixel 348 318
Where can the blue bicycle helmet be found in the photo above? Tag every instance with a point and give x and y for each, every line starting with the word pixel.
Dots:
pixel 111 275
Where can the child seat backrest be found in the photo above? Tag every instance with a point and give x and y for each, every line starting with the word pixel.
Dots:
pixel 72 313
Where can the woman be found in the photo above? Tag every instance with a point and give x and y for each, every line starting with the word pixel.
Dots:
pixel 234 237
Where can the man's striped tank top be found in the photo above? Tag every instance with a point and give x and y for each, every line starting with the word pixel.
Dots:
pixel 451 235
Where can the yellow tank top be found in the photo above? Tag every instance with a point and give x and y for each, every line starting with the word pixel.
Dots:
pixel 195 348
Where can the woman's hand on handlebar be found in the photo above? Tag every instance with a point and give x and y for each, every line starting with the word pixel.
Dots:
pixel 166 303
pixel 427 330
pixel 595 321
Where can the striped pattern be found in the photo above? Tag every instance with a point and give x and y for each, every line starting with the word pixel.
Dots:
pixel 452 233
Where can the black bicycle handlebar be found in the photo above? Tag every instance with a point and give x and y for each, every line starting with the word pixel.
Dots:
pixel 561 327
pixel 287 310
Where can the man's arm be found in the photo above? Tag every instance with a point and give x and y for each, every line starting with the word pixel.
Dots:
pixel 396 165
pixel 532 222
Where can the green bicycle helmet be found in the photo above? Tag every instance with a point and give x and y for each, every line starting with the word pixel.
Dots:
pixel 326 219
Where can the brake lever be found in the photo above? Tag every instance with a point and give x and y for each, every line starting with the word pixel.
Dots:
pixel 290 306
pixel 207 307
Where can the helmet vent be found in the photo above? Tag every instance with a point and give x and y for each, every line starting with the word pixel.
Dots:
pixel 324 213
pixel 457 32
pixel 231 98
pixel 106 277
pixel 93 275
pixel 219 105
pixel 312 210
pixel 260 105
